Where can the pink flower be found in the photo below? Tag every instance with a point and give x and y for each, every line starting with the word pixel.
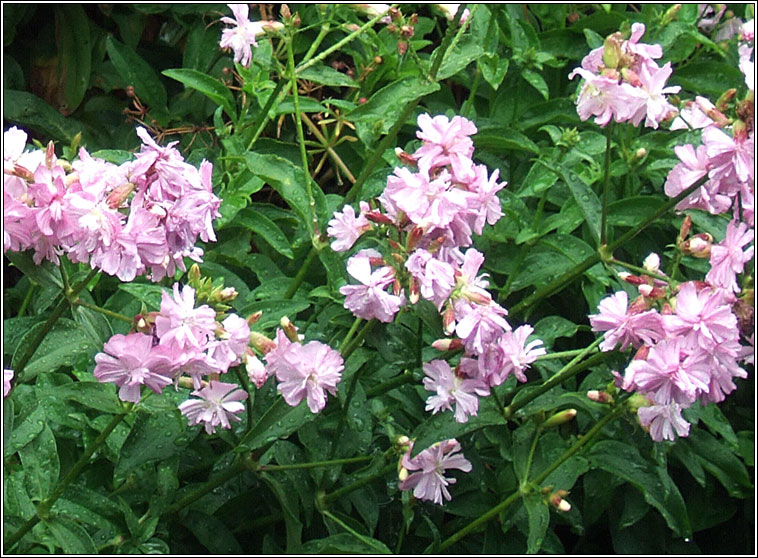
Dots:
pixel 730 155
pixel 436 278
pixel 451 388
pixel 479 324
pixel 240 37
pixel 511 354
pixel 446 142
pixel 622 327
pixel 127 362
pixel 233 342
pixel 180 322
pixel 308 371
pixel 670 374
pixel 661 421
pixel 218 403
pixel 369 299
pixel 429 483
pixel 702 319
pixel 728 258
pixel 7 377
pixel 655 107
pixel 603 98
pixel 345 228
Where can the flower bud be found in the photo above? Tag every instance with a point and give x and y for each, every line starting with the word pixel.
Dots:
pixel 261 343
pixel 559 418
pixel 599 396
pixel 413 291
pixel 684 230
pixel 636 401
pixel 254 317
pixel 448 319
pixel 448 344
pixel 651 292
pixel 671 14
pixel 722 104
pixel 641 353
pixel 289 329
pixel 652 263
pixel 255 369
pixel 413 237
pixel 640 153
pixel 631 77
pixel 698 245
pixel 285 11
pixel 118 195
pixel 22 172
pixel 378 217
pixel 402 474
pixel 612 50
pixel 50 155
pixel 402 47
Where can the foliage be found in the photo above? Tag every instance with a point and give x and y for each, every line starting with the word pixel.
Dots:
pixel 85 472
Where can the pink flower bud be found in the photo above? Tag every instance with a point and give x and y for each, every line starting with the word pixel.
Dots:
pixel 289 329
pixel 698 246
pixel 448 344
pixel 261 343
pixel 599 396
pixel 559 418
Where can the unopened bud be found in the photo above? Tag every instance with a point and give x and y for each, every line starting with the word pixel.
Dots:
pixel 476 297
pixel 636 401
pixel 698 245
pixel 448 319
pixel 406 31
pixel 226 294
pixel 631 77
pixel 651 292
pixel 397 288
pixel 402 474
pixel 289 329
pixel 254 317
pixel 405 158
pixel 599 396
pixel 22 172
pixel 284 9
pixel 684 230
pixel 642 353
pixel 296 21
pixel 413 291
pixel 395 14
pixel 612 50
pixel 261 343
pixel 560 418
pixel 634 279
pixel 378 217
pixel 402 47
pixel 413 237
pixel 640 153
pixel 378 59
pixel 652 263
pixel 639 304
pixel 722 104
pixel 671 14
pixel 255 369
pixel 448 344
pixel 50 155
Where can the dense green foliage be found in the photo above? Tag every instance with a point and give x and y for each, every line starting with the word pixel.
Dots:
pixel 89 74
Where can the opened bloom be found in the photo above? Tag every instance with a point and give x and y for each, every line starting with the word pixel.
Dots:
pixel 219 402
pixel 242 36
pixel 429 482
pixel 308 371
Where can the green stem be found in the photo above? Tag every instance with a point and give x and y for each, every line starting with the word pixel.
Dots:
pixel 495 511
pixel 57 312
pixel 530 457
pixel 583 266
pixel 571 369
pixel 27 300
pixel 276 93
pixel 339 44
pixel 300 277
pixel 675 264
pixel 242 377
pixel 314 464
pixel 43 507
pixel 405 378
pixel 350 334
pixel 451 37
pixel 560 354
pixel 235 469
pixel 300 134
pixel 114 315
pixel 359 338
pixel 606 185
pixel 359 483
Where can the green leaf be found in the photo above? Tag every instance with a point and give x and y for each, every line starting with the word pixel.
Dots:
pixel 46 274
pixel 384 106
pixel 342 543
pixel 715 420
pixel 279 421
pixel 151 295
pixel 326 75
pixel 25 431
pixel 631 211
pixel 71 536
pixel 493 68
pixel 501 139
pixel 537 81
pixel 137 73
pixel 25 108
pixel 273 310
pixel 208 86
pixel 212 533
pixel 75 62
pixel 41 463
pixel 550 328
pixel 708 78
pixel 289 502
pixel 585 197
pixel 289 181
pixel 460 56
pixel 93 395
pixel 539 519
pixel 443 425
pixel 267 229
pixel 152 438
pixel 94 324
pixel 719 460
pixel 625 461
pixel 62 345
pixel 83 513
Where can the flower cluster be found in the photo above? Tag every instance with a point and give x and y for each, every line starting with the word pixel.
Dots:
pixel 433 211
pixel 180 340
pixel 726 155
pixel 623 82
pixel 428 481
pixel 687 338
pixel 141 216
pixel 242 36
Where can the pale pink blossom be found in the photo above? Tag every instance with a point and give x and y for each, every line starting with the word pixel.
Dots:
pixel 232 345
pixel 446 142
pixel 655 107
pixel 308 371
pixel 243 35
pixel 663 421
pixel 728 258
pixel 345 228
pixel 451 389
pixel 436 278
pixel 621 326
pixel 691 116
pixel 370 299
pixel 7 377
pixel 605 99
pixel 701 319
pixel 128 362
pixel 730 155
pixel 218 403
pixel 511 354
pixel 429 482
pixel 479 324
pixel 180 322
